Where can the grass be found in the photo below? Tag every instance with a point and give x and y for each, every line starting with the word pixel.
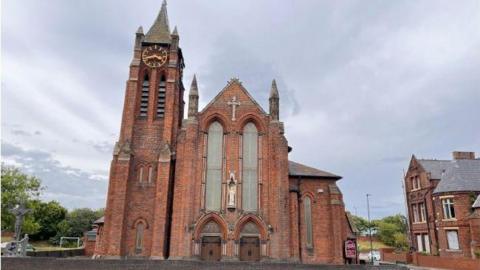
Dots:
pixel 38 245
pixel 364 246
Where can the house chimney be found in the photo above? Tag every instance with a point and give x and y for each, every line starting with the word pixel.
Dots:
pixel 463 155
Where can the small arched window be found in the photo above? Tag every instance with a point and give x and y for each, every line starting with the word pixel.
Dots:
pixel 139 237
pixel 144 97
pixel 140 174
pixel 161 97
pixel 307 208
pixel 150 174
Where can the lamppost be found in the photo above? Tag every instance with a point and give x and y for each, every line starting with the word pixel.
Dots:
pixel 370 228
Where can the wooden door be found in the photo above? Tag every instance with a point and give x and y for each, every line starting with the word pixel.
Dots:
pixel 249 249
pixel 211 248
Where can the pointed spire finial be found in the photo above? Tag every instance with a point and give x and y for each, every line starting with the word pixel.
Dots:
pixel 274 90
pixel 140 30
pixel 194 86
pixel 175 31
pixel 193 99
pixel 274 101
pixel 160 30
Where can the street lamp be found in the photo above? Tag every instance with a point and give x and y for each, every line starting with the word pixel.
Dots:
pixel 370 228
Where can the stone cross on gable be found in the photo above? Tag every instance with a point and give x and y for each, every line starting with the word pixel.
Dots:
pixel 234 103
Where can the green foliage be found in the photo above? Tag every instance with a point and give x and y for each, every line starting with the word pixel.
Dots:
pixel 18 188
pixel 362 224
pixel 392 231
pixel 48 215
pixel 76 223
pixel 46 220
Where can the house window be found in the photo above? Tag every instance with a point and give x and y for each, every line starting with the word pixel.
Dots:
pixel 307 204
pixel 452 239
pixel 415 183
pixel 423 243
pixel 144 97
pixel 250 164
pixel 420 243
pixel 422 212
pixel 415 213
pixel 448 208
pixel 161 98
pixel 213 193
pixel 139 238
pixel 426 243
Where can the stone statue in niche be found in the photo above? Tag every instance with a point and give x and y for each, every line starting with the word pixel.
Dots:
pixel 232 189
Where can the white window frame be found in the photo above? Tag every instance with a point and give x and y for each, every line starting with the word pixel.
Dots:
pixel 447 205
pixel 423 212
pixel 415 213
pixel 419 242
pixel 451 241
pixel 426 243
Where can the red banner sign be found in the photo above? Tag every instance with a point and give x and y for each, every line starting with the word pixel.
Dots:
pixel 351 248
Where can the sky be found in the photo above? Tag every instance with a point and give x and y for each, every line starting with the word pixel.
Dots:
pixel 363 84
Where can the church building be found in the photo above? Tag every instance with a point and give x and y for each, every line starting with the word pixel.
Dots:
pixel 217 185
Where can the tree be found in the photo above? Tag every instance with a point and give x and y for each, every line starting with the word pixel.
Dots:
pixel 77 222
pixel 18 188
pixel 392 231
pixel 48 215
pixel 362 224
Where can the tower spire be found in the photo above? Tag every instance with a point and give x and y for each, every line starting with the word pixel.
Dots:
pixel 160 30
pixel 274 101
pixel 193 98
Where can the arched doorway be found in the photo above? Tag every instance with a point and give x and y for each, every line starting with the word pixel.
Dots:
pixel 211 242
pixel 249 243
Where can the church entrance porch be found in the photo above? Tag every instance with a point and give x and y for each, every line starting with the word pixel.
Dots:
pixel 211 248
pixel 249 248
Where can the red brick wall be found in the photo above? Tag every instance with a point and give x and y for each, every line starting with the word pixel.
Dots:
pixel 446 263
pixel 463 206
pixel 89 247
pixel 390 255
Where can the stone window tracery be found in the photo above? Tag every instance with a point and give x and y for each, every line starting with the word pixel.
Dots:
pixel 214 167
pixel 250 167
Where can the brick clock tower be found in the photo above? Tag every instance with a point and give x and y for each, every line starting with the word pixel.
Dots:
pixel 152 114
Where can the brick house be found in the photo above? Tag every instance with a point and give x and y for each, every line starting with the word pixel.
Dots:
pixel 440 196
pixel 217 185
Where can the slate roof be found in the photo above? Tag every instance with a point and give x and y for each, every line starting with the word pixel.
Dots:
pixel 160 30
pixel 476 204
pixel 297 169
pixel 100 220
pixel 435 167
pixel 461 175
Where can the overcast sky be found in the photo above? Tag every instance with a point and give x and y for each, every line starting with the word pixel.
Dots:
pixel 363 84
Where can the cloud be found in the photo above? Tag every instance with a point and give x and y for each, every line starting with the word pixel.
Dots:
pixel 73 187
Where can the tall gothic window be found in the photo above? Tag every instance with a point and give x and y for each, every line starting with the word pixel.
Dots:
pixel 307 205
pixel 213 193
pixel 161 97
pixel 144 96
pixel 250 167
pixel 139 238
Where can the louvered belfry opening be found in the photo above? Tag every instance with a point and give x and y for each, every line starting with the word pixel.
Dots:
pixel 144 97
pixel 161 98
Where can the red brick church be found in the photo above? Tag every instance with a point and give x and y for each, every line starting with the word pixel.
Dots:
pixel 217 185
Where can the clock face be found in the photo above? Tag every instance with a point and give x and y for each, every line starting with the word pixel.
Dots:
pixel 154 56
